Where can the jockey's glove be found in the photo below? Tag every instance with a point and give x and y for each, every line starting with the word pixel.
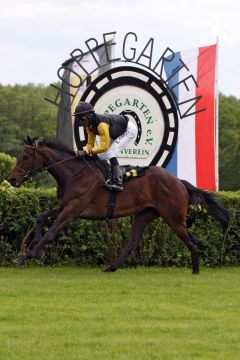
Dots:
pixel 80 153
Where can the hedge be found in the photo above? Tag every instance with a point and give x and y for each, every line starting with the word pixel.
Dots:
pixel 99 242
pixel 7 162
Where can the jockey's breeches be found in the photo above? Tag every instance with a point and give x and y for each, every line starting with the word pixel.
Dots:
pixel 120 143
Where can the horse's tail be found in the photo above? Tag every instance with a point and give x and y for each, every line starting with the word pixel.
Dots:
pixel 208 199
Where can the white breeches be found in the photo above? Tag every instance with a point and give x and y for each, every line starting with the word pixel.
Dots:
pixel 120 143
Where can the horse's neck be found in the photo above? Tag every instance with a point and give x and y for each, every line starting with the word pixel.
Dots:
pixel 60 169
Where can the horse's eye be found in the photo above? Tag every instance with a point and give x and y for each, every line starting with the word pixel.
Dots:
pixel 25 157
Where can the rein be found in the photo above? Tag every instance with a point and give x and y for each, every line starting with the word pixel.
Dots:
pixel 30 173
pixel 93 170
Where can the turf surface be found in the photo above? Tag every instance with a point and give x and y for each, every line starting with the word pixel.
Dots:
pixel 83 313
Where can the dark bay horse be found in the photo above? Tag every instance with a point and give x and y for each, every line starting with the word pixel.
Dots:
pixel 81 194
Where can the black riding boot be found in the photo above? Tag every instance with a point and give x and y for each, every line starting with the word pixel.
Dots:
pixel 117 178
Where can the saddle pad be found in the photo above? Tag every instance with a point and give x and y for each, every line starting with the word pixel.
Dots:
pixel 129 171
pixel 133 171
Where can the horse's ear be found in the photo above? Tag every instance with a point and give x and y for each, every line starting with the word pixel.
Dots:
pixel 30 141
pixel 27 141
pixel 35 140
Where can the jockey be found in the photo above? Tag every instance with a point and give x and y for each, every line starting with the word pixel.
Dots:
pixel 114 131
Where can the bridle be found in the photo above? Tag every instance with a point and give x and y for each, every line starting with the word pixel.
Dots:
pixel 28 174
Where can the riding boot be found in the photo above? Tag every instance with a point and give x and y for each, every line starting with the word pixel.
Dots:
pixel 117 178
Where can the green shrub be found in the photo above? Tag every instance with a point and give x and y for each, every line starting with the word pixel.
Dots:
pixel 100 242
pixel 7 163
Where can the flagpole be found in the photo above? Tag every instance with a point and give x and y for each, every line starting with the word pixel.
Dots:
pixel 217 119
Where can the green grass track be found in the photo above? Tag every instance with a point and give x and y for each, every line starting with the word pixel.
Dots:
pixel 145 313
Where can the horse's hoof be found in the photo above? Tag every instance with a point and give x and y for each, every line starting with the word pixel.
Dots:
pixel 109 269
pixel 20 260
pixel 39 256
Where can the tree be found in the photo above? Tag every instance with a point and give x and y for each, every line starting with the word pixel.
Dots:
pixel 25 112
pixel 229 142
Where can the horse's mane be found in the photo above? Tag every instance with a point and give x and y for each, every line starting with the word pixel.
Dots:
pixel 57 145
pixel 65 149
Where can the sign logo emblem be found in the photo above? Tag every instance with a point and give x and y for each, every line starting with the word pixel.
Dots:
pixel 147 102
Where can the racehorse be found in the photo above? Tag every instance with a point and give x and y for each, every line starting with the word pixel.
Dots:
pixel 81 194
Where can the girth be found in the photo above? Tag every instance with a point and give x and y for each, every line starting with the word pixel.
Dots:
pixel 111 204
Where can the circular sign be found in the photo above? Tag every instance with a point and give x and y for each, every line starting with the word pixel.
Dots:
pixel 145 100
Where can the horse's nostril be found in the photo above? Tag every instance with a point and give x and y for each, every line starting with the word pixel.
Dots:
pixel 12 181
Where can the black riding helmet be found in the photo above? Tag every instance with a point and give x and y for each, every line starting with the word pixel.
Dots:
pixel 84 108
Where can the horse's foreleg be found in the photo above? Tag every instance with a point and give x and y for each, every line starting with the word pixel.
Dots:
pixel 51 215
pixel 67 215
pixel 141 220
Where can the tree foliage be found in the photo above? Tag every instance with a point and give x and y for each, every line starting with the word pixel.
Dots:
pixel 229 142
pixel 24 111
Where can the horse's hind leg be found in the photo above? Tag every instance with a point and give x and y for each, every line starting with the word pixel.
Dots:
pixel 141 220
pixel 191 243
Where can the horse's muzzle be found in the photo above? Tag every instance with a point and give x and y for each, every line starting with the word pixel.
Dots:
pixel 14 182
